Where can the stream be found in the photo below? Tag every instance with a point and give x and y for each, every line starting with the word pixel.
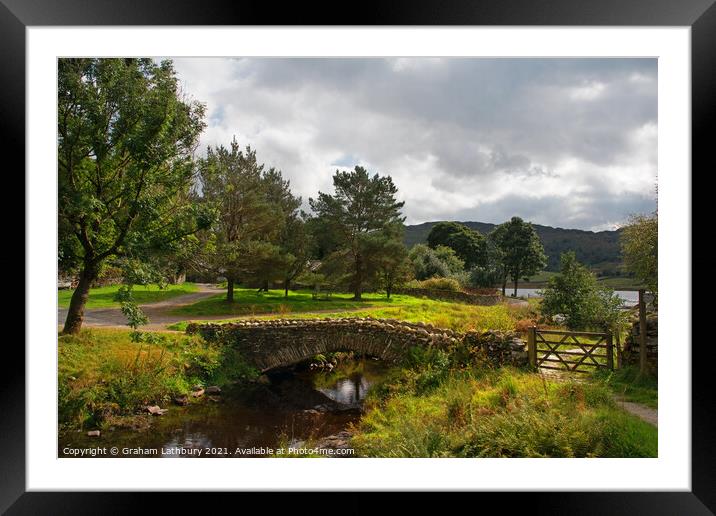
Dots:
pixel 291 410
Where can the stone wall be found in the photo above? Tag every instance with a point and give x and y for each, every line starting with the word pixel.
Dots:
pixel 270 344
pixel 631 351
pixel 452 295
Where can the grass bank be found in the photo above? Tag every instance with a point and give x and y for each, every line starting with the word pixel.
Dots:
pixel 443 314
pixel 250 302
pixel 435 411
pixel 629 384
pixel 106 379
pixel 104 297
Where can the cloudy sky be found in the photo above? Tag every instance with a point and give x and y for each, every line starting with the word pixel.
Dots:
pixel 562 142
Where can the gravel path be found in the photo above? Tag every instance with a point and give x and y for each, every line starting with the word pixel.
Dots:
pixel 160 315
pixel 648 414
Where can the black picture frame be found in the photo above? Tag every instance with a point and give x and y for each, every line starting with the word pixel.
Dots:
pixel 700 15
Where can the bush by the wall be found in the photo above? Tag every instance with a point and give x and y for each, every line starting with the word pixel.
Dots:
pixel 436 284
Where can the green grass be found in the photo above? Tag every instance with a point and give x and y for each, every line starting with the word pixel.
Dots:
pixel 443 314
pixel 628 383
pixel 478 412
pixel 103 376
pixel 249 302
pixel 103 297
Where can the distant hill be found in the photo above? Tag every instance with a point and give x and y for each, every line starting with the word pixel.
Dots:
pixel 599 250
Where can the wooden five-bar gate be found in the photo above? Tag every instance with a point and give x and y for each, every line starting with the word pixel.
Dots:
pixel 574 351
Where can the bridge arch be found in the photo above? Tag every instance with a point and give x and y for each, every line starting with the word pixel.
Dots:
pixel 271 344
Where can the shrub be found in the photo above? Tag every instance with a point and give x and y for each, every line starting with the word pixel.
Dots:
pixel 439 262
pixel 484 276
pixel 437 284
pixel 575 295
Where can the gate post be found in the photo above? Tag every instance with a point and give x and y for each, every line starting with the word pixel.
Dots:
pixel 610 352
pixel 642 333
pixel 532 345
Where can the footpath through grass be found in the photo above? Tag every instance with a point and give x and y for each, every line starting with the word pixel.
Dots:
pixel 104 297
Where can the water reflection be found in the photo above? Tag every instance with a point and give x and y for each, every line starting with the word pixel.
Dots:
pixel 348 391
pixel 296 406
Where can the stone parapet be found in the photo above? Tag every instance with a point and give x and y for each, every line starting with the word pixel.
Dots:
pixel 274 343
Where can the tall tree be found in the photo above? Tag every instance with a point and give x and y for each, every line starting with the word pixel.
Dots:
pixel 640 248
pixel 253 206
pixel 467 243
pixel 520 250
pixel 394 268
pixel 361 209
pixel 125 141
pixel 296 245
pixel 490 273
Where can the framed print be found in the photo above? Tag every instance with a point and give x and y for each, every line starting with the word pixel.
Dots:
pixel 425 240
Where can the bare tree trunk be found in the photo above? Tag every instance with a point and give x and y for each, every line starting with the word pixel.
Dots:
pixel 285 288
pixel 504 285
pixel 76 311
pixel 516 279
pixel 358 279
pixel 229 290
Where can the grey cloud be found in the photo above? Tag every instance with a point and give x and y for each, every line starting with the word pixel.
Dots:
pixel 453 125
pixel 551 210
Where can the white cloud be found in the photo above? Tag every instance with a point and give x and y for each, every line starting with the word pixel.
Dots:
pixel 591 91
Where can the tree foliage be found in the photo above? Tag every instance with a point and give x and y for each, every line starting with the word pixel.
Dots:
pixel 469 245
pixel 249 240
pixel 575 295
pixel 360 215
pixel 491 271
pixel 394 269
pixel 125 142
pixel 640 248
pixel 519 250
pixel 441 262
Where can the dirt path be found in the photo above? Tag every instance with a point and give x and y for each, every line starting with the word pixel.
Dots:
pixel 648 414
pixel 160 315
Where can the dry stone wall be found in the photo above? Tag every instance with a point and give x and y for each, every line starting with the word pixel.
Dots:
pixel 631 344
pixel 270 344
pixel 452 295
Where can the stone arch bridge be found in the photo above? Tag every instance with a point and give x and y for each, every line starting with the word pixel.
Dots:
pixel 271 344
